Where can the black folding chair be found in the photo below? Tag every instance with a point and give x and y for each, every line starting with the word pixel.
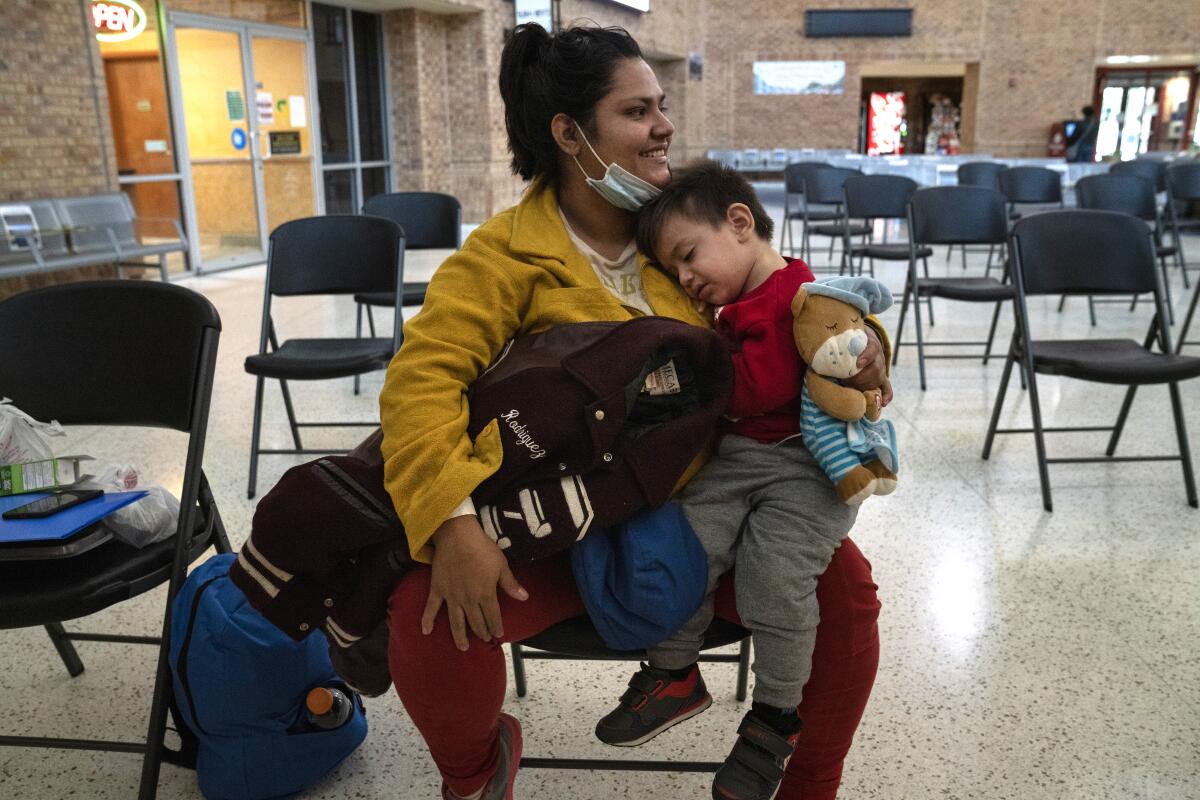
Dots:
pixel 977 173
pixel 872 197
pixel 824 186
pixel 1183 188
pixel 341 254
pixel 952 215
pixel 1100 253
pixel 431 221
pixel 1131 194
pixel 1150 169
pixel 577 640
pixel 1030 186
pixel 84 332
pixel 795 179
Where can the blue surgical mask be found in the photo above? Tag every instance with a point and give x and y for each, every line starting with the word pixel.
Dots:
pixel 619 187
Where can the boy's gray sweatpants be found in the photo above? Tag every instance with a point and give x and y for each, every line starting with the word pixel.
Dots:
pixel 770 509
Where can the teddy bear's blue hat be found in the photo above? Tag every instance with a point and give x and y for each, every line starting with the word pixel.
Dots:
pixel 866 294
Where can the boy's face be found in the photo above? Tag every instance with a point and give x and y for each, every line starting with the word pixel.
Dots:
pixel 711 263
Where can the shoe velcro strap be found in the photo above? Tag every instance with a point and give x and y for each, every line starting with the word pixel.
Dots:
pixel 763 737
pixel 757 760
pixel 645 683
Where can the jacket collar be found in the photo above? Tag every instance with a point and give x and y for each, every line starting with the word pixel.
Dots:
pixel 538 233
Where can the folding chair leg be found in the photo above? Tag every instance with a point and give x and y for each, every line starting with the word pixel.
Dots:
pixel 66 650
pixel 988 270
pixel 162 266
pixel 358 314
pixel 963 248
pixel 1132 304
pixel 743 677
pixel 1092 310
pixel 291 413
pixel 371 322
pixel 1122 415
pixel 152 761
pixel 987 348
pixel 1062 302
pixel 1039 438
pixel 949 251
pixel 1167 291
pixel 518 659
pixel 1187 321
pixel 1185 455
pixel 920 339
pixel 1000 394
pixel 928 300
pixel 255 432
pixel 900 324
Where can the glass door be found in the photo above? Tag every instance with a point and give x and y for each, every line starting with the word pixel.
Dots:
pixel 243 103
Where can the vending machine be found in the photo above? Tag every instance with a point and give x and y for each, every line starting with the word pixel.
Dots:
pixel 886 127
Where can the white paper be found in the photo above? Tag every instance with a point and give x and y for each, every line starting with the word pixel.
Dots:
pixel 266 108
pixel 298 115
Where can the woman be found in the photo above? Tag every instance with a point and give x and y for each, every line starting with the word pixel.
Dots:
pixel 586 123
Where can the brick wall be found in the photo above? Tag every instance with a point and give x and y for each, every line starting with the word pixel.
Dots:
pixel 55 136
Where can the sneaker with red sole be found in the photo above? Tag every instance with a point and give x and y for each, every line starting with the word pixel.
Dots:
pixel 500 787
pixel 652 703
pixel 755 766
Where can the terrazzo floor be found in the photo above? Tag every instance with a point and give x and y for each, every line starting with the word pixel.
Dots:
pixel 1024 654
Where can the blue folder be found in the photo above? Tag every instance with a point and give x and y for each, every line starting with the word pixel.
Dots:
pixel 62 525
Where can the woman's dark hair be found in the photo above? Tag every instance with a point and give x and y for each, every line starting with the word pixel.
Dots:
pixel 543 74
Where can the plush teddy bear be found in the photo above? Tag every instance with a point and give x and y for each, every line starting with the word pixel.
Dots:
pixel 841 426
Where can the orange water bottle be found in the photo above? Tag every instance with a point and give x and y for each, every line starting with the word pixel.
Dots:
pixel 328 707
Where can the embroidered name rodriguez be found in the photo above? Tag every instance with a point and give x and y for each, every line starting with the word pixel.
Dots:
pixel 522 432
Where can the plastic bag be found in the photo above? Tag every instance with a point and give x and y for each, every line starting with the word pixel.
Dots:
pixel 21 435
pixel 149 520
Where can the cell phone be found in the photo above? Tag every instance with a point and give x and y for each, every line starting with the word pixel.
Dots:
pixel 52 504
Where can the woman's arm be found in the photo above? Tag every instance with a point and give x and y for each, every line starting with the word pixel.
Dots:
pixel 472 308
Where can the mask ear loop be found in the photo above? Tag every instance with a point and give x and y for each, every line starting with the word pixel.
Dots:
pixel 595 155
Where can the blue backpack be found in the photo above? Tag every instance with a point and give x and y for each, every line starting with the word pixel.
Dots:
pixel 240 685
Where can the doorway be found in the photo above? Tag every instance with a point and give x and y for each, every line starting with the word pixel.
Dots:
pixel 1144 110
pixel 242 102
pixel 914 115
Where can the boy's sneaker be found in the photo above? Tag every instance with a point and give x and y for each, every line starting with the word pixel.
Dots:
pixel 755 766
pixel 652 703
pixel 500 787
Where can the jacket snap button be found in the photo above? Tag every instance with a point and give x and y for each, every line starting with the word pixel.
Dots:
pixel 562 467
pixel 607 457
pixel 328 602
pixel 303 626
pixel 599 415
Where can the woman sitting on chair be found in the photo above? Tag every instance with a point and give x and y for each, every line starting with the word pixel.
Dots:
pixel 587 125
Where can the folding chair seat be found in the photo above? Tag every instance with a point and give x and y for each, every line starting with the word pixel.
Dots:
pixel 824 186
pixel 954 215
pixel 977 173
pixel 1036 186
pixel 1092 253
pixel 165 381
pixel 1127 193
pixel 333 255
pixel 873 197
pixel 577 640
pixel 795 180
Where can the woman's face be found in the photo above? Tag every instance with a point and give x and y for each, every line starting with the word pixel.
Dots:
pixel 631 125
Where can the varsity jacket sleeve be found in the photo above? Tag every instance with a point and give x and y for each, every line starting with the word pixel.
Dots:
pixel 472 308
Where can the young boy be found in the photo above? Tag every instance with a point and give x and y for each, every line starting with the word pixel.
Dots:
pixel 762 501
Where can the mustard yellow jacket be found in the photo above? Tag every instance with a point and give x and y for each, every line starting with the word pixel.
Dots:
pixel 518 273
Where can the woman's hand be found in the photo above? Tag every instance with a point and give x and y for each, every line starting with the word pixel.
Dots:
pixel 467 568
pixel 872 369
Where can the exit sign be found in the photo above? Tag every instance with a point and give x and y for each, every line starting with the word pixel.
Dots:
pixel 117 20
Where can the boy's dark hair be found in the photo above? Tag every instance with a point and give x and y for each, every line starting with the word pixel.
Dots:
pixel 543 74
pixel 701 192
